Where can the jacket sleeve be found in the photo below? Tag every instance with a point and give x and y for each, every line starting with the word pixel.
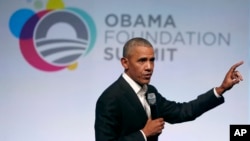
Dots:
pixel 174 112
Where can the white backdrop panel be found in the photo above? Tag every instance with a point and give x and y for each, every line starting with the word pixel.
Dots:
pixel 196 42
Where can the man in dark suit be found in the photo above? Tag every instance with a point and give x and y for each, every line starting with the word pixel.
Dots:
pixel 122 113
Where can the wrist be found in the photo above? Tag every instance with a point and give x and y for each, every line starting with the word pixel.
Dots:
pixel 144 132
pixel 220 90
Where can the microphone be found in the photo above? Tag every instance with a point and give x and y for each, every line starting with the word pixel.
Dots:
pixel 151 98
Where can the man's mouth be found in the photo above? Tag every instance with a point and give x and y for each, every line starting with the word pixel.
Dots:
pixel 147 76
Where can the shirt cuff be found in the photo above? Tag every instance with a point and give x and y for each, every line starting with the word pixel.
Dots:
pixel 144 135
pixel 216 94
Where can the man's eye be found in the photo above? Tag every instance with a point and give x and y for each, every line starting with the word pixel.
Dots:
pixel 142 60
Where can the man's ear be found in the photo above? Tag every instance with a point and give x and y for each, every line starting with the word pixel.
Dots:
pixel 124 62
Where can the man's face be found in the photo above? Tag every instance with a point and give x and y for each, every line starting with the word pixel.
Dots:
pixel 139 65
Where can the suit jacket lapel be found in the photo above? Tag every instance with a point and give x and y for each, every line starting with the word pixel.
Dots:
pixel 132 97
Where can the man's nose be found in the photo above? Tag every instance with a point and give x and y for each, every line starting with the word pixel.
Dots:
pixel 149 65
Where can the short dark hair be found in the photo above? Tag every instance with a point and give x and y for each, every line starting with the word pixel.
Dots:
pixel 137 41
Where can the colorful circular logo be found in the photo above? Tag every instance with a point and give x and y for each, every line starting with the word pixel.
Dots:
pixel 53 39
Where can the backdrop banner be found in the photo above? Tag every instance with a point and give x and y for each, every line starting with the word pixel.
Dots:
pixel 58 56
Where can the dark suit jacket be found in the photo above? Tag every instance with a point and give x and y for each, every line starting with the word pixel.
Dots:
pixel 120 115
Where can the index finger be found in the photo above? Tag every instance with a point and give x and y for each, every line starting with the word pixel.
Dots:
pixel 236 65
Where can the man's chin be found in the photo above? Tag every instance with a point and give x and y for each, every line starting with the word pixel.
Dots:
pixel 146 81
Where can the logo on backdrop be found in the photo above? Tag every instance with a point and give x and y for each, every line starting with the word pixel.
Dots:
pixel 42 41
pixel 167 35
